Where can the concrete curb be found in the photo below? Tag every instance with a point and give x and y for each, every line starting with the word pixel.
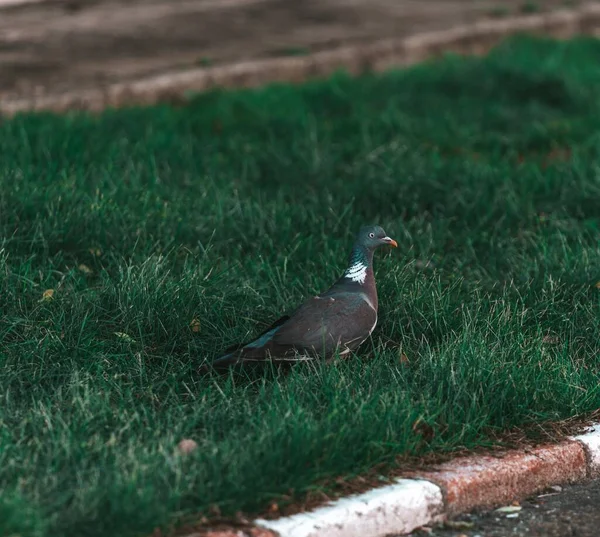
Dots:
pixel 475 38
pixel 448 489
pixel 400 507
pixel 591 444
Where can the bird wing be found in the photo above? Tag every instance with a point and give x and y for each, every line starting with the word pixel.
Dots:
pixel 323 323
pixel 238 346
pixel 318 327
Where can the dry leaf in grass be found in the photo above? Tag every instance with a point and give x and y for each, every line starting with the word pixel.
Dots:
pixel 214 510
pixel 423 429
pixel 404 359
pixel 240 518
pixel 48 294
pixel 125 337
pixel 187 445
pixel 85 269
pixel 195 325
pixel 597 285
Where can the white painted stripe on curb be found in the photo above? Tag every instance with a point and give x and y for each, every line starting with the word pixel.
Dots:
pixel 398 508
pixel 591 443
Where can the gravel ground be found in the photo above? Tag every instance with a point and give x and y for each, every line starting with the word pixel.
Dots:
pixel 564 512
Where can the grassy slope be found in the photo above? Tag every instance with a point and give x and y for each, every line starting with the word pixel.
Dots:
pixel 232 210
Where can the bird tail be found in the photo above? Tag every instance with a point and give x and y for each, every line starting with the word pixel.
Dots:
pixel 221 364
pixel 255 351
pixel 226 361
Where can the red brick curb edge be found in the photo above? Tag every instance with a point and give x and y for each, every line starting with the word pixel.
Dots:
pixel 469 39
pixel 445 490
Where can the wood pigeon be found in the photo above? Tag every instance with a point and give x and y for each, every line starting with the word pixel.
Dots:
pixel 338 320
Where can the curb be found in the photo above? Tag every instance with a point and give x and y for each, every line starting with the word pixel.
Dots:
pixel 398 508
pixel 434 495
pixel 476 38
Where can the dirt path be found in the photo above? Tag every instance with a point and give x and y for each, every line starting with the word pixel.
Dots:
pixel 51 46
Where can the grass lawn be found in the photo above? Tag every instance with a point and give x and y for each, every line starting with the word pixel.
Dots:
pixel 167 234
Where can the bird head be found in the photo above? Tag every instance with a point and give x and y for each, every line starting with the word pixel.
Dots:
pixel 371 237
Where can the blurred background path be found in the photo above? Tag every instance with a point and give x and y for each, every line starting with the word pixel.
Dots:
pixel 51 46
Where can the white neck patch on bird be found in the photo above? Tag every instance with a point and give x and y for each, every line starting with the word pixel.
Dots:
pixel 357 272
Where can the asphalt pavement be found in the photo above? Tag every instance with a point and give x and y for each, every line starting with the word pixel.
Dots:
pixel 570 511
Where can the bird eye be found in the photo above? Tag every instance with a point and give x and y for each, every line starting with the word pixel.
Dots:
pixel 372 235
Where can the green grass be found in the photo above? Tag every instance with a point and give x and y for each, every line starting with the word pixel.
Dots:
pixel 204 61
pixel 230 211
pixel 499 11
pixel 291 51
pixel 530 7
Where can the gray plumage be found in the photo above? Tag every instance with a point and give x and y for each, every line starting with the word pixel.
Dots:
pixel 338 320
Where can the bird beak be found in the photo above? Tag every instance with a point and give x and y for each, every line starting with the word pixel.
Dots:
pixel 390 241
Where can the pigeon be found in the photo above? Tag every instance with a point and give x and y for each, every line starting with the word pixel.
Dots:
pixel 336 321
